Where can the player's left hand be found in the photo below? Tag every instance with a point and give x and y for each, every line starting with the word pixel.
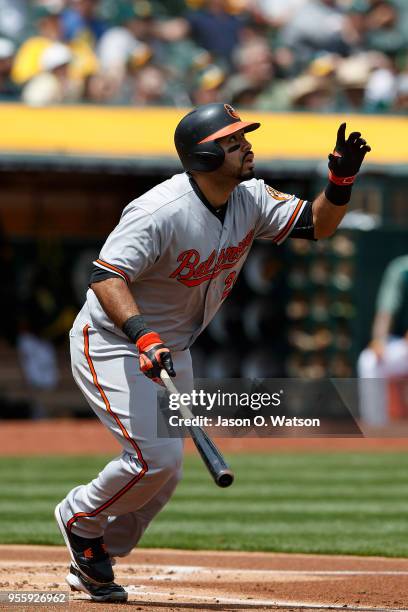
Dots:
pixel 348 155
pixel 154 355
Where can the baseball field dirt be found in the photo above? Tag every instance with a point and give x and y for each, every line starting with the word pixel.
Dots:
pixel 82 437
pixel 160 580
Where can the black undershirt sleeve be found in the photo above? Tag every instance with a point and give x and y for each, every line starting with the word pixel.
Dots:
pixel 304 227
pixel 98 274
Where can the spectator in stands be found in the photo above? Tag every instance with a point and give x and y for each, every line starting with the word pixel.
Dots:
pixel 13 18
pixel 101 89
pixel 381 87
pixel 208 86
pixel 276 13
pixel 120 50
pixel 401 94
pixel 37 357
pixel 254 68
pixel 215 29
pixel 120 44
pixel 355 24
pixel 8 89
pixel 145 34
pixel 53 85
pixel 151 87
pixel 27 62
pixel 384 27
pixel 80 21
pixel 263 45
pixel 386 356
pixel 254 84
pixel 144 22
pixel 38 360
pixel 366 82
pixel 352 76
pixel 317 26
pixel 311 93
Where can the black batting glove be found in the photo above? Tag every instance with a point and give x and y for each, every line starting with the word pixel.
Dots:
pixel 154 355
pixel 347 157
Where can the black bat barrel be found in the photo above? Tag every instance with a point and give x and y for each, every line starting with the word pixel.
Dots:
pixel 210 454
pixel 212 457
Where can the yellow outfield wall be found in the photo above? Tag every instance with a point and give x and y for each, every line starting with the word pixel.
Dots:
pixel 126 132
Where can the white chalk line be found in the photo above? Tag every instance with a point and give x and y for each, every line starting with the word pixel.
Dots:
pixel 191 569
pixel 140 592
pixel 171 571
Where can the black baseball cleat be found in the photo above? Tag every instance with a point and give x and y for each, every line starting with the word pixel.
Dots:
pixel 111 592
pixel 89 555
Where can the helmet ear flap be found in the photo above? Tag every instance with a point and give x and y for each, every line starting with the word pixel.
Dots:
pixel 208 157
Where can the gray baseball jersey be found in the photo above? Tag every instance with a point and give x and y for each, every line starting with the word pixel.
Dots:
pixel 180 261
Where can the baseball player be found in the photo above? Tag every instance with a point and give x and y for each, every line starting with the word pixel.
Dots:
pixel 160 278
pixel 385 359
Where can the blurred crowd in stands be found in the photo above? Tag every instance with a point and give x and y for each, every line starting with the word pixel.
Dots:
pixel 272 55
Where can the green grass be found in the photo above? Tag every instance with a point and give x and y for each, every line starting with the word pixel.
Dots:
pixel 320 503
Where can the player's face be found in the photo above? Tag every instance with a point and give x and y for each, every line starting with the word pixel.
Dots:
pixel 239 158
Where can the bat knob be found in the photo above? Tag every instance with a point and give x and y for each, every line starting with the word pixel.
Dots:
pixel 225 478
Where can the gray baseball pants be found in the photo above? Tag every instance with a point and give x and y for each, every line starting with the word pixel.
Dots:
pixel 132 488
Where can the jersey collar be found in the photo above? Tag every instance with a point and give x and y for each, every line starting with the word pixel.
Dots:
pixel 217 212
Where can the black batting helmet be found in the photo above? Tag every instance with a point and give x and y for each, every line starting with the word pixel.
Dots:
pixel 197 133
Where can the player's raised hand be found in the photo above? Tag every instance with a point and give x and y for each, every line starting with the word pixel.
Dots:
pixel 347 157
pixel 153 356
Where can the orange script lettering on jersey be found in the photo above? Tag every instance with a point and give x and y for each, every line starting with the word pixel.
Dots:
pixel 192 271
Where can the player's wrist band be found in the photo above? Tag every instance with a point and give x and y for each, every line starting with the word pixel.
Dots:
pixel 339 195
pixel 135 327
pixel 341 180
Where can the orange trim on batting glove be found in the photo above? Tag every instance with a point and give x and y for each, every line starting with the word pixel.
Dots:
pixel 145 342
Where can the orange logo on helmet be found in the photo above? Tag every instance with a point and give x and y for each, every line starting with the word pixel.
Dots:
pixel 231 111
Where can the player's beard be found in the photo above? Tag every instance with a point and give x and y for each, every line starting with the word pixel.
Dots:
pixel 235 173
pixel 245 175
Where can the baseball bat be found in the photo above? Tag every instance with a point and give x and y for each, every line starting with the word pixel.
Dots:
pixel 210 454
